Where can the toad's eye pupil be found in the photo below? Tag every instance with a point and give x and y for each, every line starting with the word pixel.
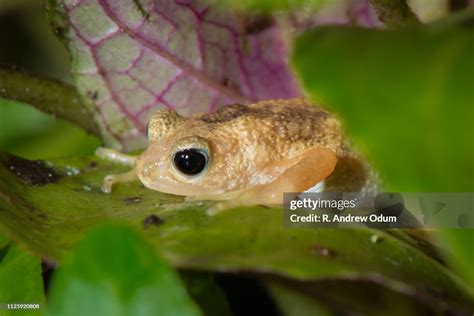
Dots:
pixel 190 161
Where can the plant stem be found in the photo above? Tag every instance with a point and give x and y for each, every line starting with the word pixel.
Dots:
pixel 47 95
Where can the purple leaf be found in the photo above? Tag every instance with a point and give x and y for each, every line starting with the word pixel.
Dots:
pixel 130 57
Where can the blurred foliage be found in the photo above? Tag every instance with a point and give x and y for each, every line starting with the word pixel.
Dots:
pixel 458 247
pixel 293 303
pixel 394 13
pixel 397 10
pixel 32 45
pixel 347 297
pixel 114 272
pixel 206 293
pixel 399 93
pixel 271 5
pixel 20 279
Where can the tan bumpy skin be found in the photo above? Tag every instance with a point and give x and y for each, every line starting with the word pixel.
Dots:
pixel 255 153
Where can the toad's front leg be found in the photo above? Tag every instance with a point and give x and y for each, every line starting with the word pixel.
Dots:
pixel 117 157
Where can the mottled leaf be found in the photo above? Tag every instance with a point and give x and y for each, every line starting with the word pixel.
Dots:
pixel 182 233
pixel 132 57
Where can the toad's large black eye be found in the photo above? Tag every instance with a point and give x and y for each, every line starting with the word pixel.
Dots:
pixel 191 161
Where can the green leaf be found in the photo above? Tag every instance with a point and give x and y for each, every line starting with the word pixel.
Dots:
pixel 20 280
pixel 458 245
pixel 186 237
pixel 115 272
pixel 47 95
pixel 406 96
